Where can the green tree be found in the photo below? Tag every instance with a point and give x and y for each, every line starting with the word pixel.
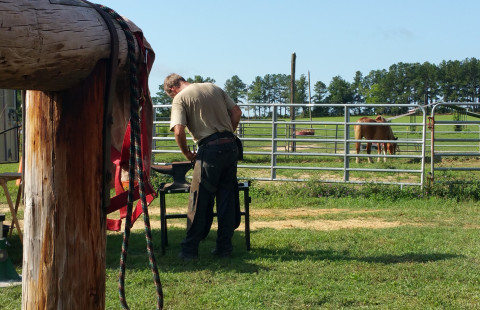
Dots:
pixel 340 92
pixel 398 86
pixel 272 88
pixel 269 90
pixel 395 84
pixel 357 90
pixel 269 87
pixel 450 77
pixel 255 94
pixel 161 99
pixel 320 92
pixel 373 88
pixel 282 90
pixel 426 83
pixel 200 79
pixel 320 96
pixel 471 73
pixel 236 89
pixel 301 91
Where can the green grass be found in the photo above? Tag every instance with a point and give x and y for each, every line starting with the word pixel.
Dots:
pixel 421 268
pixel 432 264
pixel 429 260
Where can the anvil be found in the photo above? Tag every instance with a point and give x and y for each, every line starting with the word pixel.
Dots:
pixel 177 170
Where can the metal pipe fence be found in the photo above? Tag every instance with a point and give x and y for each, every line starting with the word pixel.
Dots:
pixel 278 148
pixel 463 141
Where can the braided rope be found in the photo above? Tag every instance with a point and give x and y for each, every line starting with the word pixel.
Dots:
pixel 135 161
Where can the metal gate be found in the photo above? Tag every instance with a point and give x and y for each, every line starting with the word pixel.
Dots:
pixel 302 149
pixel 454 140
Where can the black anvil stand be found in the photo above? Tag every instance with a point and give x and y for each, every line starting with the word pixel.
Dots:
pixel 178 171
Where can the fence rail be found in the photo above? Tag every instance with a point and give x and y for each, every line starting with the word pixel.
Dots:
pixel 454 150
pixel 278 148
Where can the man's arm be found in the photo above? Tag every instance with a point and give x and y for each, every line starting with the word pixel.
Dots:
pixel 181 139
pixel 235 115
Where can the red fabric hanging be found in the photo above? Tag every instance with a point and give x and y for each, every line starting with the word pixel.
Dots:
pixel 121 159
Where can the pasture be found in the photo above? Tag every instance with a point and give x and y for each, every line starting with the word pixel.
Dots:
pixel 314 246
pixel 327 156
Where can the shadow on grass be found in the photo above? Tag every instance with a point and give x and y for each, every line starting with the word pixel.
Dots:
pixel 241 261
pixel 138 257
pixel 285 254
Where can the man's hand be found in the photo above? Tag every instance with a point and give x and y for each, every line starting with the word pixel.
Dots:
pixel 191 156
pixel 181 139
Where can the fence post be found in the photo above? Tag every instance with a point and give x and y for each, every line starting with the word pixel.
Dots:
pixel 292 101
pixel 273 157
pixel 346 148
pixel 424 146
pixel 432 146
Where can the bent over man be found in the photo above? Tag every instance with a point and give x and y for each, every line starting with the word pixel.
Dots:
pixel 211 117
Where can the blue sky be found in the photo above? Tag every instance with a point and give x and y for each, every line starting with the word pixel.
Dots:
pixel 222 38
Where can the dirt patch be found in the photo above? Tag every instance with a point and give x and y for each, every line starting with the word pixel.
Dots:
pixel 301 212
pixel 292 220
pixel 326 224
pixel 260 218
pixel 257 220
pixel 471 226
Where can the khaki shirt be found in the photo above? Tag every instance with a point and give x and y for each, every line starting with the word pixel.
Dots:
pixel 203 108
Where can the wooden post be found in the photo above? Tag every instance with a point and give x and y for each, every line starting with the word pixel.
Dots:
pixel 59 48
pixel 65 235
pixel 50 45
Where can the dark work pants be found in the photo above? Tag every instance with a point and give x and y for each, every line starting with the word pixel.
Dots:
pixel 214 176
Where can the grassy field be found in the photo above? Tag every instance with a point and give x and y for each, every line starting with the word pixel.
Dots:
pixel 314 246
pixel 374 249
pixel 325 151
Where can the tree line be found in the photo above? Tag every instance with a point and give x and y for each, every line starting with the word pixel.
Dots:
pixel 402 83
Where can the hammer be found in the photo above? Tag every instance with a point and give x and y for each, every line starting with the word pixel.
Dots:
pixel 177 170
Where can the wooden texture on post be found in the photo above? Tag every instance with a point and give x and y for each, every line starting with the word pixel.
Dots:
pixel 65 234
pixel 51 46
pixel 59 49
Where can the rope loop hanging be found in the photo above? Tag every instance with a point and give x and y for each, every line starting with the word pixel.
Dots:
pixel 135 161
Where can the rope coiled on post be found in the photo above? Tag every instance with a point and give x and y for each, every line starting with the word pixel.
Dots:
pixel 135 161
